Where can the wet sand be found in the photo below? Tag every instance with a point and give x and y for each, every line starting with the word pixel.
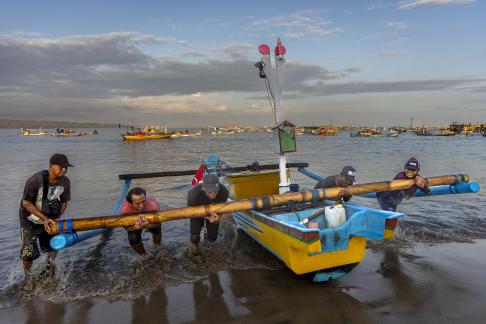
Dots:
pixel 443 283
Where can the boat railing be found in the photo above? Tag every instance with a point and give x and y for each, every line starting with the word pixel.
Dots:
pixel 251 167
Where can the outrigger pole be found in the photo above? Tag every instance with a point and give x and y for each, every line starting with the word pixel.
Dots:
pixel 64 240
pixel 83 224
pixel 456 188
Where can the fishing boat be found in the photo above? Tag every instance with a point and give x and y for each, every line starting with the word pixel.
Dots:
pixel 362 133
pixel 389 133
pixel 422 131
pixel 144 136
pixel 28 132
pixel 302 228
pixel 326 131
pixel 147 133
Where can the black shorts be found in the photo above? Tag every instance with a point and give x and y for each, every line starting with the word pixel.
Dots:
pixel 211 228
pixel 135 237
pixel 30 233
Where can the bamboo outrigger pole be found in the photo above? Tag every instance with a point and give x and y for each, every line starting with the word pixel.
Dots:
pixel 83 224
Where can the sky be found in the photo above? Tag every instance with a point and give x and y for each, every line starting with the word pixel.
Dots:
pixel 191 63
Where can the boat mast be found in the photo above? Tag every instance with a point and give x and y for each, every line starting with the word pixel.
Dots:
pixel 274 86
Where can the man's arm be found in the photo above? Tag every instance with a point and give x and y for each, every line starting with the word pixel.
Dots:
pixel 31 208
pixel 63 207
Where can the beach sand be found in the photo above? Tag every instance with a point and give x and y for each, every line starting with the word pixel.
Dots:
pixel 441 283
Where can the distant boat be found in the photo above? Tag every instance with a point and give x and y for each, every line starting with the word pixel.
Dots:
pixel 146 133
pixel 143 136
pixel 28 132
pixel 327 131
pixel 66 132
pixel 389 133
pixel 444 132
pixel 422 132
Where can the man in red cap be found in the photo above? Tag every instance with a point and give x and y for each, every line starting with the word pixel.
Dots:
pixel 389 200
pixel 46 196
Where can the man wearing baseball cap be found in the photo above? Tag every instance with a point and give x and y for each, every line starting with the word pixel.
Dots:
pixel 389 200
pixel 45 198
pixel 345 178
pixel 210 191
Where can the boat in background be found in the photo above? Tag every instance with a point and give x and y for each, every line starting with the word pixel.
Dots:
pixel 389 133
pixel 185 134
pixel 147 133
pixel 29 132
pixel 421 131
pixel 327 131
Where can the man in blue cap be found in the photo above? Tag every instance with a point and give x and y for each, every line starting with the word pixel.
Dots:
pixel 389 200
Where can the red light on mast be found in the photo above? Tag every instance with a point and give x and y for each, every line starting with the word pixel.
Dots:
pixel 280 50
pixel 264 49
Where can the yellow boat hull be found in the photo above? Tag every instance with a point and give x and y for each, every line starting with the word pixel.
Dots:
pixel 300 250
pixel 145 137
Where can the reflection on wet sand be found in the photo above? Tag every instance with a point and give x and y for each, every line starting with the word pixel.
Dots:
pixel 208 300
pixel 44 312
pixel 150 309
pixel 403 286
pixel 280 296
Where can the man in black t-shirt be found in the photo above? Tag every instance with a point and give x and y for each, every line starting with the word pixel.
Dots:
pixel 45 198
pixel 345 178
pixel 210 191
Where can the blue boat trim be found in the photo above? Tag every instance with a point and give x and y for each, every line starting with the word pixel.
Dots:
pixel 323 276
pixel 242 219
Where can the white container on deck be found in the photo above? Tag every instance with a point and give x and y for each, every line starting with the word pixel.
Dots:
pixel 335 215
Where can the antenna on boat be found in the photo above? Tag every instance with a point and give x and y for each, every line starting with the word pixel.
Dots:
pixel 273 82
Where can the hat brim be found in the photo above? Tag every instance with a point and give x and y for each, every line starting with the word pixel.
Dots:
pixel 350 179
pixel 210 188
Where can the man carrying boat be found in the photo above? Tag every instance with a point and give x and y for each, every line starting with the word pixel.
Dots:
pixel 138 202
pixel 208 192
pixel 389 200
pixel 345 178
pixel 45 198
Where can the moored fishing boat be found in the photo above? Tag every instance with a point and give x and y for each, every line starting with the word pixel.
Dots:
pixel 147 133
pixel 143 136
pixel 29 132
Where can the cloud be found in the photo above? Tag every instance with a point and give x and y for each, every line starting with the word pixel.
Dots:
pixel 389 53
pixel 326 89
pixel 397 25
pixel 231 51
pixel 110 78
pixel 258 108
pixel 188 104
pixel 298 24
pixel 379 35
pixel 422 3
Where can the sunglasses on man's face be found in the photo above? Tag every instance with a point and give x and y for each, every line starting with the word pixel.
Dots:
pixel 411 170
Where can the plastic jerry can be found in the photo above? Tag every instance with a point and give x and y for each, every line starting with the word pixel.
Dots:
pixel 335 215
